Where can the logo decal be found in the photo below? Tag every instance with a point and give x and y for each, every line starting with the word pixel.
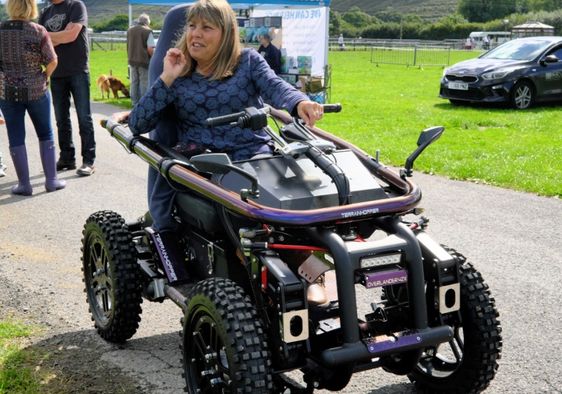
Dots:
pixel 56 22
pixel 165 259
pixel 361 212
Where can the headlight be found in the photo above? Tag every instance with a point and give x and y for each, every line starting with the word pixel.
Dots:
pixel 498 74
pixel 375 261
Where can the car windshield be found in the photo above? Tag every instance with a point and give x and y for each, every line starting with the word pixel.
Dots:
pixel 518 50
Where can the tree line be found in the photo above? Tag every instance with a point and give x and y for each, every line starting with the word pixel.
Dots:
pixel 472 15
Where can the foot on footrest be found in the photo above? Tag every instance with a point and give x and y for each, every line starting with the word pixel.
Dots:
pixel 171 256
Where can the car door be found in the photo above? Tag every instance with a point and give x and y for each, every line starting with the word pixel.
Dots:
pixel 549 76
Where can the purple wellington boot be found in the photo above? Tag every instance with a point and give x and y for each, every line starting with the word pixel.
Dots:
pixel 19 157
pixel 47 150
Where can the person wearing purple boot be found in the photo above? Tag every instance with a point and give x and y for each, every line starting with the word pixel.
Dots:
pixel 28 59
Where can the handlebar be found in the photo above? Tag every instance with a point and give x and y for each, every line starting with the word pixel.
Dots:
pixel 255 118
pixel 225 119
pixel 332 107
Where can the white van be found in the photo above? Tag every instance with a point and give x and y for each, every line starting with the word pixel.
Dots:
pixel 488 39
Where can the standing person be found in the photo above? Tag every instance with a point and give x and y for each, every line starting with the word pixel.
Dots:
pixel 66 22
pixel 28 59
pixel 486 42
pixel 270 53
pixel 341 43
pixel 209 74
pixel 2 165
pixel 140 47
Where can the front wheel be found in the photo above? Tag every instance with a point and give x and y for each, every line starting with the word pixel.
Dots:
pixel 523 95
pixel 224 346
pixel 111 277
pixel 468 363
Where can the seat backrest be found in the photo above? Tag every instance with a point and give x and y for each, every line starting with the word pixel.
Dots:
pixel 164 133
pixel 172 28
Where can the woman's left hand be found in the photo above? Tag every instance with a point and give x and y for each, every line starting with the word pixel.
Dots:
pixel 310 112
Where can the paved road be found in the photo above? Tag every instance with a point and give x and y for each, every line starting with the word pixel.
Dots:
pixel 512 238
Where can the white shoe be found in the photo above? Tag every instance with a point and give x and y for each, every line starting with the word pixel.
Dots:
pixel 2 170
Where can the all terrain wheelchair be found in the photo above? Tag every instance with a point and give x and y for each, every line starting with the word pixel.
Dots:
pixel 314 259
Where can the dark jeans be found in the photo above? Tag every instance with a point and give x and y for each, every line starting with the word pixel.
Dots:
pixel 40 113
pixel 79 87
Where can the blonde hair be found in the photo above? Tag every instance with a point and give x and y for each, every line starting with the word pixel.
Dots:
pixel 22 9
pixel 218 13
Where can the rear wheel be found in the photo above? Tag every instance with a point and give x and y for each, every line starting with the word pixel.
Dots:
pixel 468 363
pixel 224 346
pixel 113 284
pixel 523 95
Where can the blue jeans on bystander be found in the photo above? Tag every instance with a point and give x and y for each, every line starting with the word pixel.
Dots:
pixel 40 113
pixel 79 87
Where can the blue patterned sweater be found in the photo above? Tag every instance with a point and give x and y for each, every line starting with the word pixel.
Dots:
pixel 196 98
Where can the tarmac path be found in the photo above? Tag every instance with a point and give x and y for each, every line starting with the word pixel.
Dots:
pixel 512 238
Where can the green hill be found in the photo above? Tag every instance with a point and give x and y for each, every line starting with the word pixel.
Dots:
pixel 428 9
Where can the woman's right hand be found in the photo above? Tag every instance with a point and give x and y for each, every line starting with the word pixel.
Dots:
pixel 174 64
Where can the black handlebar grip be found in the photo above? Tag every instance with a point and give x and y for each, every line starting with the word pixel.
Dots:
pixel 224 120
pixel 332 107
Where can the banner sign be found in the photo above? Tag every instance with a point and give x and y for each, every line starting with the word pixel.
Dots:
pixel 304 33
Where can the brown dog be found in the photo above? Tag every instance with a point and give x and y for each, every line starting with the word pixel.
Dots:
pixel 109 83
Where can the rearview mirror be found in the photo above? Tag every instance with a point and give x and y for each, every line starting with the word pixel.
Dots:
pixel 550 59
pixel 427 137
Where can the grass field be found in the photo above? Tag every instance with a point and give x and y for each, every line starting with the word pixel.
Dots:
pixel 385 108
pixel 16 374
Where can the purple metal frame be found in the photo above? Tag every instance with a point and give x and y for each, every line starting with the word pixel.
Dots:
pixel 181 174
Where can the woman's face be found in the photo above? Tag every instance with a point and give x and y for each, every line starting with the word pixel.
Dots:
pixel 203 40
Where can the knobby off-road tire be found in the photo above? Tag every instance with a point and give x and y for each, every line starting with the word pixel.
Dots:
pixel 112 280
pixel 477 342
pixel 224 346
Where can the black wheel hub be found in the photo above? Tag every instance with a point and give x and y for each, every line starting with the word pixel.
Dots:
pixel 100 281
pixel 209 362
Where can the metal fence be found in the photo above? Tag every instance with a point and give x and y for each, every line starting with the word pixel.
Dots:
pixel 417 56
pixel 108 41
pixel 112 41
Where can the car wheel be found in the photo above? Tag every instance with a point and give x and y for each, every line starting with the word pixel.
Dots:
pixel 523 95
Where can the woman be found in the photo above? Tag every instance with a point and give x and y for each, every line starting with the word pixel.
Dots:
pixel 28 59
pixel 208 74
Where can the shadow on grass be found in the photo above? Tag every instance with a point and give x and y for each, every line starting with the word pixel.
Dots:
pixel 536 108
pixel 78 362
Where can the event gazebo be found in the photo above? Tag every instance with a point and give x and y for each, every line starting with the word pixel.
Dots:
pixel 530 29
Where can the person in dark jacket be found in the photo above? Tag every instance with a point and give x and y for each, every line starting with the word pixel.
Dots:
pixel 270 53
pixel 66 21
